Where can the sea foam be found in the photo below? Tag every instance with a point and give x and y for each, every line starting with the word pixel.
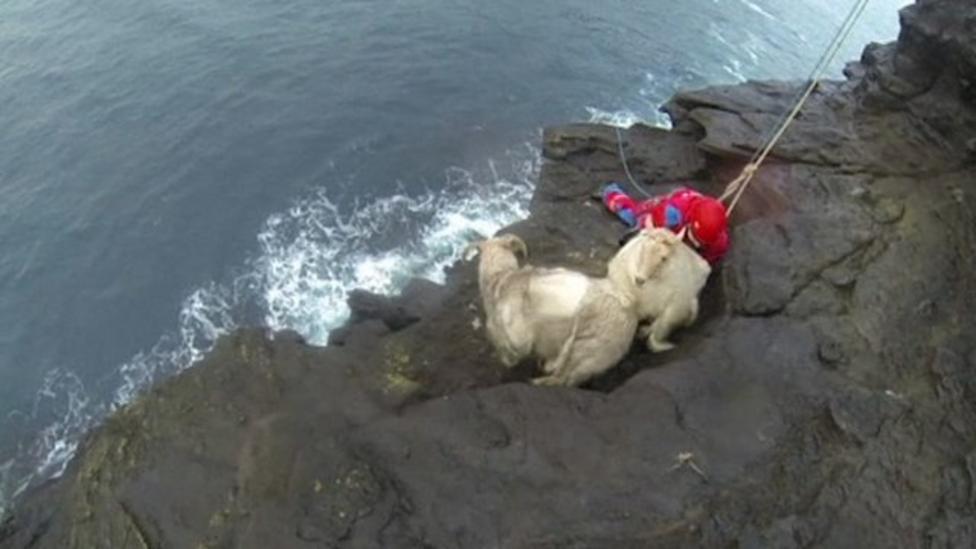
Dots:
pixel 308 258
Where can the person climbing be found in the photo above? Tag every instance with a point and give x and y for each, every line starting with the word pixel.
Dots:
pixel 703 216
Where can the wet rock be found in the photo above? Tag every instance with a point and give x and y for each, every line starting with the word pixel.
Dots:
pixel 590 155
pixel 369 306
pixel 417 298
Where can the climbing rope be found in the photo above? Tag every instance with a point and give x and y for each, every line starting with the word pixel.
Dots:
pixel 737 186
pixel 623 160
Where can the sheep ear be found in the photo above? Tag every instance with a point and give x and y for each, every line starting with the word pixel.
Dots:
pixel 651 258
pixel 471 251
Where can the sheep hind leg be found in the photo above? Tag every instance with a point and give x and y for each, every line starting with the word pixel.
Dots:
pixel 586 363
pixel 557 367
pixel 572 376
pixel 551 380
pixel 557 363
pixel 564 378
pixel 560 369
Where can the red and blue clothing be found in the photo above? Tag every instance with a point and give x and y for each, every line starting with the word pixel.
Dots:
pixel 674 211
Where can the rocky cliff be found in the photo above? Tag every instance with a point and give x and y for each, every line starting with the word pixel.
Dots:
pixel 827 396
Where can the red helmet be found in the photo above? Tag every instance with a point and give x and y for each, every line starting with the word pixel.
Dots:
pixel 707 220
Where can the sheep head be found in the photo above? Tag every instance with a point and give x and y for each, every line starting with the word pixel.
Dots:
pixel 508 242
pixel 639 260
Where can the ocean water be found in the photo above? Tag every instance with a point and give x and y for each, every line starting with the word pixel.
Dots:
pixel 172 170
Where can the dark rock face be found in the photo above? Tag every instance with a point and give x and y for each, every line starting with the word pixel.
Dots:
pixel 826 397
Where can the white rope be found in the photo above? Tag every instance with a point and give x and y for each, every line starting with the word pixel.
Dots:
pixel 623 160
pixel 737 187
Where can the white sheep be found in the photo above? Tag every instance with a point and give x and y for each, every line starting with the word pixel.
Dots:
pixel 670 298
pixel 576 325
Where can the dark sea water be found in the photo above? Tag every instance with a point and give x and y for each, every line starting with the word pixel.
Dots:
pixel 172 169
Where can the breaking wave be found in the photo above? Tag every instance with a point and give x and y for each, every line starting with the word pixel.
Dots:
pixel 313 254
pixel 622 118
pixel 308 258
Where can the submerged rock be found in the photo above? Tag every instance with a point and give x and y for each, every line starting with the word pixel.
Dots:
pixel 825 397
